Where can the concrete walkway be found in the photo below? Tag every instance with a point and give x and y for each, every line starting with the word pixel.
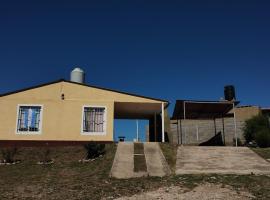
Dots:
pixel 155 160
pixel 220 160
pixel 123 165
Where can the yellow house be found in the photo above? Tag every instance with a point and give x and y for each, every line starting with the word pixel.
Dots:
pixel 71 112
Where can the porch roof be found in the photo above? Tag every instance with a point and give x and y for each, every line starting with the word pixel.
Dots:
pixel 134 110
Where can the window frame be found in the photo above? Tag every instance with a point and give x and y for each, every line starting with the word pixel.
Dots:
pixel 40 120
pixel 104 124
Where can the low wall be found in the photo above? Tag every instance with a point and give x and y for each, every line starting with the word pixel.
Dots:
pixel 198 131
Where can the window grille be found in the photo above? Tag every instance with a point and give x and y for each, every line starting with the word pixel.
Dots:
pixel 94 120
pixel 29 119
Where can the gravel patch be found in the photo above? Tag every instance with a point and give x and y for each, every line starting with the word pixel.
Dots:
pixel 202 192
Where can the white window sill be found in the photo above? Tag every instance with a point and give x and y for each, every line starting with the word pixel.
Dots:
pixel 28 133
pixel 93 133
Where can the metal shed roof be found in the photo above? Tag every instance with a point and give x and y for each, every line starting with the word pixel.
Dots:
pixel 194 109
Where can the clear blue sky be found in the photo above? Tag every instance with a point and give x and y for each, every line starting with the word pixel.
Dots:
pixel 163 49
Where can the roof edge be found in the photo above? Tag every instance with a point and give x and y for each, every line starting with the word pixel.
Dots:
pixel 117 91
pixel 86 85
pixel 31 88
pixel 207 101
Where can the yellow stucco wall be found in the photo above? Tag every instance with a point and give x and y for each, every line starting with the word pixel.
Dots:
pixel 61 119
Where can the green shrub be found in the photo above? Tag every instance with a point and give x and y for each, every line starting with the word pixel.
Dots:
pixel 8 154
pixel 94 150
pixel 254 126
pixel 262 138
pixel 45 155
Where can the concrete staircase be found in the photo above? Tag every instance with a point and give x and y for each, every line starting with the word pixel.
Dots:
pixel 123 165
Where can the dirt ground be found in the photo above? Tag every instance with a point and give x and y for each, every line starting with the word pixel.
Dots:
pixel 202 192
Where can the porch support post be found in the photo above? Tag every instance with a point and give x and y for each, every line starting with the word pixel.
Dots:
pixel 162 117
pixel 215 126
pixel 181 132
pixel 155 126
pixel 184 105
pixel 223 127
pixel 137 126
pixel 178 132
pixel 184 110
pixel 235 126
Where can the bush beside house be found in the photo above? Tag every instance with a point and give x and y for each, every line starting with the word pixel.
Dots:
pixel 262 138
pixel 258 129
pixel 8 155
pixel 94 150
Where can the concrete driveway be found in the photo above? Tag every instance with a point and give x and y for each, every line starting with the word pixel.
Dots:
pixel 220 160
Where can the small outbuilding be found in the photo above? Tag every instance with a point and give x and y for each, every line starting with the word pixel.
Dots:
pixel 194 122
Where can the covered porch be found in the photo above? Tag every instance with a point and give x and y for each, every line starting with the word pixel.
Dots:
pixel 153 112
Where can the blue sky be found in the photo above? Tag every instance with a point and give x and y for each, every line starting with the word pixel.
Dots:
pixel 164 49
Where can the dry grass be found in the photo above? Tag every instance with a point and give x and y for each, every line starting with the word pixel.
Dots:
pixel 66 178
pixel 138 148
pixel 263 152
pixel 69 179
pixel 139 158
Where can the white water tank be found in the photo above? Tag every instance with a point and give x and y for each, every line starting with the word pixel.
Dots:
pixel 77 75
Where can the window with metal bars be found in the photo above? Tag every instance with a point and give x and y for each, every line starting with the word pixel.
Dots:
pixel 94 120
pixel 29 119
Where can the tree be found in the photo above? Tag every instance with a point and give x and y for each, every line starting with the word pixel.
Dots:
pixel 257 129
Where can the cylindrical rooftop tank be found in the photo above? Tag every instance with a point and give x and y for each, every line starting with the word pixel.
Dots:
pixel 229 93
pixel 77 75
